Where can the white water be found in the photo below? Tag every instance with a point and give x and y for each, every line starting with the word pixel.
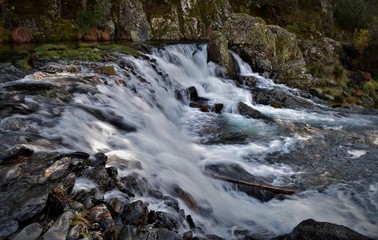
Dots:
pixel 167 144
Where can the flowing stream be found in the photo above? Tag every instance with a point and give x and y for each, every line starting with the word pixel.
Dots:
pixel 316 152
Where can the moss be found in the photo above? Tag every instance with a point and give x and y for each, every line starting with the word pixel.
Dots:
pixel 24 63
pixel 78 219
pixel 106 70
pixel 316 70
pixel 54 30
pixel 370 87
pixel 48 47
pixel 120 48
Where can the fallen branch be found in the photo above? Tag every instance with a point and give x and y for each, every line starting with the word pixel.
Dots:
pixel 273 189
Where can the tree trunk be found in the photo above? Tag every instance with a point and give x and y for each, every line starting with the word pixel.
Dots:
pixel 273 189
pixel 84 4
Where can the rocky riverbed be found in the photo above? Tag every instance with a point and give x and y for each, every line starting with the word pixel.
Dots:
pixel 93 150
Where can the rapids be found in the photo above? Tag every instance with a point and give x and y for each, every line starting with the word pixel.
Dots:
pixel 320 153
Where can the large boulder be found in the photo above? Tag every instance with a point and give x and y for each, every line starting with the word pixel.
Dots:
pixel 268 48
pixel 312 230
pixel 185 19
pixel 131 21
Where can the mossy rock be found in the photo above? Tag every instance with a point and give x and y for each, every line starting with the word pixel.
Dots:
pixel 57 52
pixel 106 70
pixel 120 48
pixel 54 30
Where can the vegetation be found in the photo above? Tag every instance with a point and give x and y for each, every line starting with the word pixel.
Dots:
pixel 95 16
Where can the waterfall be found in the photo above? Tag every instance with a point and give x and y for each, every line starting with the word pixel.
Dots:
pixel 170 138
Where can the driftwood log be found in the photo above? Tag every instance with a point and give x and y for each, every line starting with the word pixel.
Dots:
pixel 273 189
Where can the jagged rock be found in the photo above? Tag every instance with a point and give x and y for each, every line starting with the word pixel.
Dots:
pixel 30 232
pixel 127 233
pixel 168 235
pixel 59 230
pixel 16 154
pixel 32 206
pixel 132 22
pixel 312 230
pixel 249 112
pixel 279 98
pixel 162 220
pixel 100 214
pixel 7 227
pixel 135 213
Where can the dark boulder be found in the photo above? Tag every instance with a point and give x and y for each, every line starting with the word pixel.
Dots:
pixel 249 112
pixel 312 230
pixel 7 228
pixel 16 154
pixel 135 213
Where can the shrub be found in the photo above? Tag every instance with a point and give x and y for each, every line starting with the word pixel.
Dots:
pixel 338 71
pixel 92 17
pixel 361 39
pixel 353 14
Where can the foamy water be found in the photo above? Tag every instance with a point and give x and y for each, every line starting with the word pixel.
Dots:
pixel 168 139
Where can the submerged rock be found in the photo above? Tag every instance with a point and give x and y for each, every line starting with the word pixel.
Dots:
pixel 249 112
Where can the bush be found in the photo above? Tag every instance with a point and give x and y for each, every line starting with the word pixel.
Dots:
pixel 352 14
pixel 92 17
pixel 361 40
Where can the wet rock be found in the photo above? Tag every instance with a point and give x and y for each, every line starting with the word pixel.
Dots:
pixel 190 221
pixel 30 232
pixel 74 233
pixel 312 230
pixel 171 202
pixel 201 106
pixel 15 154
pixel 100 176
pixel 249 112
pixel 33 206
pixel 135 213
pixel 58 201
pixel 136 183
pixel 127 233
pixel 60 228
pixel 186 197
pixel 218 107
pixel 188 235
pixel 162 220
pixel 7 228
pixel 279 98
pixel 168 235
pixel 99 160
pixel 192 94
pixel 101 215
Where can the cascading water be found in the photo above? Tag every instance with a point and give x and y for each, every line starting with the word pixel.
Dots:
pixel 175 143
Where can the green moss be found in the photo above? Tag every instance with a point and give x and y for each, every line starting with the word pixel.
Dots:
pixel 54 30
pixel 79 219
pixel 85 54
pixel 24 63
pixel 106 70
pixel 316 70
pixel 49 47
pixel 120 48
